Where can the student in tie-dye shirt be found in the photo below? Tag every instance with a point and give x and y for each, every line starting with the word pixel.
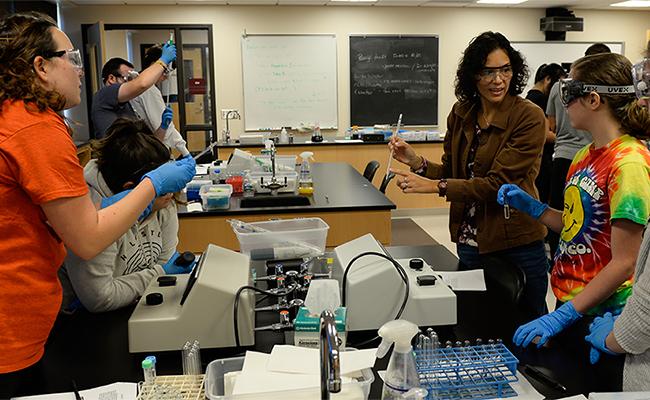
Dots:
pixel 606 202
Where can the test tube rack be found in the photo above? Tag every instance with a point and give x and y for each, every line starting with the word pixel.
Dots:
pixel 468 372
pixel 173 387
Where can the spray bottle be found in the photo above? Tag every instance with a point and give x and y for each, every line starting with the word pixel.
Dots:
pixel 305 183
pixel 401 376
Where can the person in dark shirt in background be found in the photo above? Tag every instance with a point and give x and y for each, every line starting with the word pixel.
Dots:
pixel 545 78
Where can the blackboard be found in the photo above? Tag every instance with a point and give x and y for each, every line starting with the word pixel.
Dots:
pixel 392 75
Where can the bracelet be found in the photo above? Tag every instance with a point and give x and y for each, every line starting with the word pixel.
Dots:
pixel 423 168
pixel 162 64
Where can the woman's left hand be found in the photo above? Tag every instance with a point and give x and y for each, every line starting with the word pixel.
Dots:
pixel 413 183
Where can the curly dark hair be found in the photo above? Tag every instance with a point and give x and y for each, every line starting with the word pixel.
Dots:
pixel 473 61
pixel 23 37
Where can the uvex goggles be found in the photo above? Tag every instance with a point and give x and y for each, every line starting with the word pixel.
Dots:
pixel 571 89
pixel 641 78
pixel 74 56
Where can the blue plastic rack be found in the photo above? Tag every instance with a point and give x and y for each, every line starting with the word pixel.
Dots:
pixel 472 372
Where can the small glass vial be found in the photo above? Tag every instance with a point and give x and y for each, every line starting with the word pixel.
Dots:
pixel 149 371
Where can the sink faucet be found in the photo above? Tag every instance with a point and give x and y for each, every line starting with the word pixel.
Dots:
pixel 274 185
pixel 330 367
pixel 235 115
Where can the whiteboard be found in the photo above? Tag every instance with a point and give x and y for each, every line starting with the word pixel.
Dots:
pixel 289 80
pixel 538 53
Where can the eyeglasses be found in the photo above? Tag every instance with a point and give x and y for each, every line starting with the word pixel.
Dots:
pixel 641 78
pixel 571 90
pixel 490 73
pixel 74 56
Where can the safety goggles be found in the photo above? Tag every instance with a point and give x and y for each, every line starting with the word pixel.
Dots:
pixel 74 56
pixel 641 78
pixel 571 90
pixel 490 74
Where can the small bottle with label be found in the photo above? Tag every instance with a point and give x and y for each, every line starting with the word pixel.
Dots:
pixel 248 187
pixel 305 182
pixel 284 136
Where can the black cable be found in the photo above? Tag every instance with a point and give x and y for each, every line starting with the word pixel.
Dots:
pixel 236 305
pixel 400 271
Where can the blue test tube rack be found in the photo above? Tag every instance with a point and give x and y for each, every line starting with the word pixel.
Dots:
pixel 470 372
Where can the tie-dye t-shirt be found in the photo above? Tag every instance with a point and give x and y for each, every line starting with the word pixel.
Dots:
pixel 603 184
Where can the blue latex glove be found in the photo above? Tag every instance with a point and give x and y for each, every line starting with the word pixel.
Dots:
pixel 166 119
pixel 513 195
pixel 168 53
pixel 172 176
pixel 598 331
pixel 172 269
pixel 109 201
pixel 546 326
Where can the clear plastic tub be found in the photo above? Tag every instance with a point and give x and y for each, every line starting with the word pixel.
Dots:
pixel 282 233
pixel 218 388
pixel 262 163
pixel 215 197
pixel 193 188
pixel 262 178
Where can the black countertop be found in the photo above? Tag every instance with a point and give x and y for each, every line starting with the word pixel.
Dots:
pixel 93 348
pixel 327 142
pixel 337 187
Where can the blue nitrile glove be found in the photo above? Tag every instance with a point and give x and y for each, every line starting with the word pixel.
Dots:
pixel 546 326
pixel 168 53
pixel 598 331
pixel 109 201
pixel 172 269
pixel 514 196
pixel 166 119
pixel 172 176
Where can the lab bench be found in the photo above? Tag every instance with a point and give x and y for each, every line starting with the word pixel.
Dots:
pixel 342 197
pixel 358 155
pixel 92 349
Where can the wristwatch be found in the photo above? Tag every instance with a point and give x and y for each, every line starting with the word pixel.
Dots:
pixel 442 187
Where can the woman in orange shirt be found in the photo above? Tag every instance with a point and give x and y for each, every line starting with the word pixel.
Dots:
pixel 43 196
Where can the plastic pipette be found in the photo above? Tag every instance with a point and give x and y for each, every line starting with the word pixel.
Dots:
pixel 390 157
pixel 207 149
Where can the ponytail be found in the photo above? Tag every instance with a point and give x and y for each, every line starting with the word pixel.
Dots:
pixel 635 120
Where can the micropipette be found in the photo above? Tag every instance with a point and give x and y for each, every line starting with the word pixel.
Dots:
pixel 207 149
pixel 390 157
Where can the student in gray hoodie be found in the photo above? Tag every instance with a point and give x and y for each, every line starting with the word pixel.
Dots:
pixel 118 276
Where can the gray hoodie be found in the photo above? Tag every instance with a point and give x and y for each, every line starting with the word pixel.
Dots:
pixel 119 275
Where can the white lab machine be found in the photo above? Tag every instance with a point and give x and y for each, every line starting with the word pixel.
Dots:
pixel 375 290
pixel 198 307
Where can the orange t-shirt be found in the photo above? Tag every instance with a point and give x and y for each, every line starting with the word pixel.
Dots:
pixel 38 164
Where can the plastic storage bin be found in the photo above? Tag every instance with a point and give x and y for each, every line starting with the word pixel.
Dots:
pixel 282 233
pixel 215 197
pixel 262 163
pixel 262 178
pixel 193 188
pixel 215 386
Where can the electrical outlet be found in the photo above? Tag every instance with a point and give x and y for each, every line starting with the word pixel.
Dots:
pixel 234 114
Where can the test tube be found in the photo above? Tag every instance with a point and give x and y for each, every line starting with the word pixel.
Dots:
pixel 148 371
pixel 153 360
pixel 185 356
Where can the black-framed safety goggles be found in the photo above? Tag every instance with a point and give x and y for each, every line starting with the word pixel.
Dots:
pixel 641 78
pixel 571 90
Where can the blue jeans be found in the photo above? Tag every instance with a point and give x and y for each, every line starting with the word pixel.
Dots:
pixel 531 258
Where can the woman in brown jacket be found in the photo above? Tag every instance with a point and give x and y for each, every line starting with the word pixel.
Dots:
pixel 493 137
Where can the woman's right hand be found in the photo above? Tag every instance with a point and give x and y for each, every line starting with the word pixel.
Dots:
pixel 403 152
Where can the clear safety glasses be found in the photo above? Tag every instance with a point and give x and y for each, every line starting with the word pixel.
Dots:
pixel 571 90
pixel 641 79
pixel 74 56
pixel 490 74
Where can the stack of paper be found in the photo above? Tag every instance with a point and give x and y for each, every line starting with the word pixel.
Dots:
pixel 297 369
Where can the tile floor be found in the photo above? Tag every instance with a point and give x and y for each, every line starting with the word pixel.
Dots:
pixel 437 226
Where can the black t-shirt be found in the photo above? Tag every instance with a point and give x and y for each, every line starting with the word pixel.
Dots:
pixel 106 109
pixel 538 98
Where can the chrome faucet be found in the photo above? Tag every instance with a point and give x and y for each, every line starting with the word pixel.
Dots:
pixel 274 185
pixel 235 115
pixel 330 367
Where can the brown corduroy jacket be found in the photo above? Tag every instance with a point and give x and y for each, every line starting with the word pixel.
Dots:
pixel 508 152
